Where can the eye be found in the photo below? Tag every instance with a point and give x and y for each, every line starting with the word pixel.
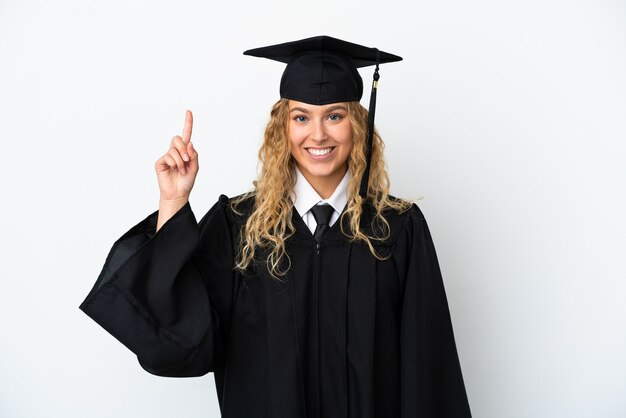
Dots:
pixel 300 118
pixel 335 117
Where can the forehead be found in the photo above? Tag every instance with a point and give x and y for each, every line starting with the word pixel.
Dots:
pixel 295 105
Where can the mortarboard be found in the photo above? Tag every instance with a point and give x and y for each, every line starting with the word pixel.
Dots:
pixel 323 70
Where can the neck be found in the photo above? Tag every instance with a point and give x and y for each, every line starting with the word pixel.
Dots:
pixel 325 186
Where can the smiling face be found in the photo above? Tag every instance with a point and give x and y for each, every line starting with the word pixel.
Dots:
pixel 321 142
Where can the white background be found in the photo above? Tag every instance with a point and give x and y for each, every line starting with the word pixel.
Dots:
pixel 509 118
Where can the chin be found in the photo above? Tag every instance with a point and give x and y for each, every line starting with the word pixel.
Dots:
pixel 322 172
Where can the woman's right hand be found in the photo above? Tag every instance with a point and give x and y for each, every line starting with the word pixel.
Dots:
pixel 177 169
pixel 176 172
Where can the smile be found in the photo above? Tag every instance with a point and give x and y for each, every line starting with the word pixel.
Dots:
pixel 320 151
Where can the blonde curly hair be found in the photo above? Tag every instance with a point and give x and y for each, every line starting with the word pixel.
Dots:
pixel 269 225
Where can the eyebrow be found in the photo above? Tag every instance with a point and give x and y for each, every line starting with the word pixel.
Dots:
pixel 299 109
pixel 336 107
pixel 330 109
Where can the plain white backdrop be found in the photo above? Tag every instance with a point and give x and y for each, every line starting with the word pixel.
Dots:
pixel 508 118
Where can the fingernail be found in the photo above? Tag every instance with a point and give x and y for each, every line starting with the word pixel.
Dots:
pixel 185 157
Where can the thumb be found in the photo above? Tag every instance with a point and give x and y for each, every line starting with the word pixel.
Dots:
pixel 193 156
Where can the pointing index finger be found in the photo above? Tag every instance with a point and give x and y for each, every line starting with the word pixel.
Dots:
pixel 188 127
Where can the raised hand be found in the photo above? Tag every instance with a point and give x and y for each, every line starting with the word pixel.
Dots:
pixel 177 169
pixel 176 172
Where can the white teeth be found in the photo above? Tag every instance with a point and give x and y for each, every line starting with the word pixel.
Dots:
pixel 319 151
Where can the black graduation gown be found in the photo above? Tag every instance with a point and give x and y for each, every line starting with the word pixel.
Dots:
pixel 345 335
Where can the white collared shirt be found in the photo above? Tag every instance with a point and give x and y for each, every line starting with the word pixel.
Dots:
pixel 305 197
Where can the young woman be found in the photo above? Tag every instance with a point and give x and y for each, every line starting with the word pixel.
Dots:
pixel 316 294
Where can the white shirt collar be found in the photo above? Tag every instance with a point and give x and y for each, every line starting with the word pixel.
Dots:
pixel 305 196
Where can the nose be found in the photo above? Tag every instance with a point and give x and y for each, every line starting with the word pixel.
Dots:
pixel 319 133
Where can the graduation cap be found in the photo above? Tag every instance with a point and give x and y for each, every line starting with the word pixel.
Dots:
pixel 323 70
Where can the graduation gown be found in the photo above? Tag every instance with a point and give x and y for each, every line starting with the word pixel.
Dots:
pixel 343 335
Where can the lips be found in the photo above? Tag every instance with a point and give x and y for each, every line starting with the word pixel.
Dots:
pixel 320 152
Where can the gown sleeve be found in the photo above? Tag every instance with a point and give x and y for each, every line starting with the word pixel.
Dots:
pixel 431 380
pixel 164 294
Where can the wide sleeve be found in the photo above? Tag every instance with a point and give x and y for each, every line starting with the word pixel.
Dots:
pixel 165 294
pixel 431 380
